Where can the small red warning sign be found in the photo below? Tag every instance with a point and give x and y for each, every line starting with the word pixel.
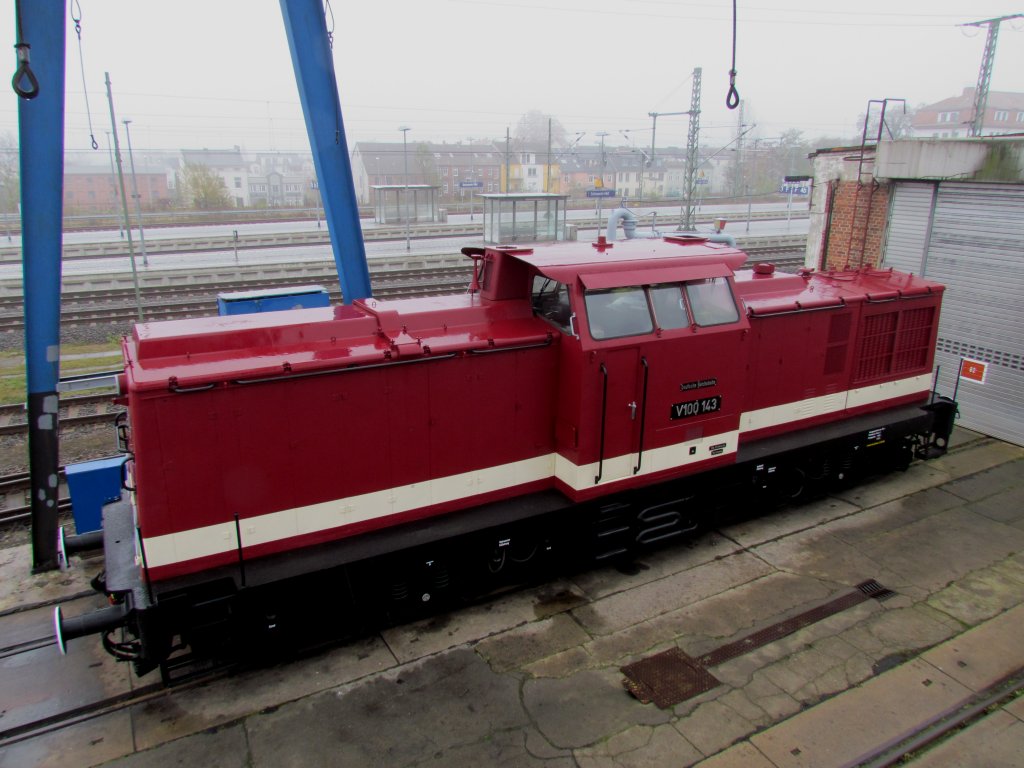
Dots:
pixel 974 370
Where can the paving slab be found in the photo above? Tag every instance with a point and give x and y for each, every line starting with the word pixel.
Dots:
pixel 848 728
pixel 887 488
pixel 982 594
pixel 90 743
pixel 655 565
pixel 977 457
pixel 439 633
pixel 531 643
pixel 42 683
pixel 187 712
pixel 894 515
pixel 981 657
pixel 1016 708
pixel 18 585
pixel 997 741
pixel 225 747
pixel 585 708
pixel 989 482
pixel 639 747
pixel 624 609
pixel 818 554
pixel 958 540
pixel 789 520
pixel 743 755
pixel 714 726
pixel 451 703
pixel 1006 506
pixel 504 749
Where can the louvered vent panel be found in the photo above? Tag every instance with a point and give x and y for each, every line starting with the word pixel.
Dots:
pixel 877 343
pixel 912 340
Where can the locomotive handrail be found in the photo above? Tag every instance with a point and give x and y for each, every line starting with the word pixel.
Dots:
pixel 188 390
pixel 643 416
pixel 751 312
pixel 604 416
pixel 349 369
pixel 901 297
pixel 492 350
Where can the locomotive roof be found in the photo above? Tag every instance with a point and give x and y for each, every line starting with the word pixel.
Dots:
pixel 626 262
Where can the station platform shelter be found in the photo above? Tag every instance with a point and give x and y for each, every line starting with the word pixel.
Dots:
pixel 523 217
pixel 393 202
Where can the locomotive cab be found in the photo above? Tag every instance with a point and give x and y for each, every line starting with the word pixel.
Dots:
pixel 650 361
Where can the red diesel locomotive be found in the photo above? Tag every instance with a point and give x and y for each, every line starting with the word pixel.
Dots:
pixel 579 402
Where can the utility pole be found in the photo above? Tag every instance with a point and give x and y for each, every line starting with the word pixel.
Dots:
pixel 602 134
pixel 547 168
pixel 985 73
pixel 508 160
pixel 135 193
pixel 737 172
pixel 124 199
pixel 405 163
pixel 692 140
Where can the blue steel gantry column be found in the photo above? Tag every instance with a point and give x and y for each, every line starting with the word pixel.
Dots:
pixel 318 90
pixel 41 139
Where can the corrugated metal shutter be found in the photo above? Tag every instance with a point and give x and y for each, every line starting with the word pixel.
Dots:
pixel 909 220
pixel 975 246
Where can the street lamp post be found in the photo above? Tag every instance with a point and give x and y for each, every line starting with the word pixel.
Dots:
pixel 602 134
pixel 405 164
pixel 113 185
pixel 135 194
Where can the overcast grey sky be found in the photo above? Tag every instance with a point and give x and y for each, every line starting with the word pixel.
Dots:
pixel 217 73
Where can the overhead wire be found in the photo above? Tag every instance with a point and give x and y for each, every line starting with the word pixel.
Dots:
pixel 81 61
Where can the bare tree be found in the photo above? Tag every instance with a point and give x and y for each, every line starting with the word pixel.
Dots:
pixel 532 128
pixel 203 189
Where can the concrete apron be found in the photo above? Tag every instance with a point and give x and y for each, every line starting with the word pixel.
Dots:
pixel 533 678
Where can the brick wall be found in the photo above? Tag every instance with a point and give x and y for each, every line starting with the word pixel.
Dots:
pixel 856 225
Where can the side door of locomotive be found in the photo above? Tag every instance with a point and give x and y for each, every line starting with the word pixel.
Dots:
pixel 620 319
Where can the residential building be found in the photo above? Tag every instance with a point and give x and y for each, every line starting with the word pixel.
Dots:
pixel 376 164
pixel 94 189
pixel 952 118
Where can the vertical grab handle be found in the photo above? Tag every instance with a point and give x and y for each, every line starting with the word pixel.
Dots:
pixel 604 416
pixel 643 416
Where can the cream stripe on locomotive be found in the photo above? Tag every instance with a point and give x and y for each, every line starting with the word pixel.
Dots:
pixel 218 539
pixel 817 406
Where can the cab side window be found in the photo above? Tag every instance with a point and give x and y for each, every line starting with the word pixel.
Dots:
pixel 550 300
pixel 711 301
pixel 618 312
pixel 669 307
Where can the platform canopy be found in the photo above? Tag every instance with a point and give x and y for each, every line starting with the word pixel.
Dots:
pixel 522 217
pixel 393 202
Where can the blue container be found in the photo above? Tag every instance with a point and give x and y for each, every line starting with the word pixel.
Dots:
pixel 272 300
pixel 93 484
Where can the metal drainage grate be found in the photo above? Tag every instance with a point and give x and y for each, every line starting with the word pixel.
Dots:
pixel 863 591
pixel 667 678
pixel 872 588
pixel 670 677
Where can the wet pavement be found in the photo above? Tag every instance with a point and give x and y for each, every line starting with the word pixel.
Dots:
pixel 533 678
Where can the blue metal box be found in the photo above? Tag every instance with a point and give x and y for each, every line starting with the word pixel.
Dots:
pixel 93 484
pixel 272 300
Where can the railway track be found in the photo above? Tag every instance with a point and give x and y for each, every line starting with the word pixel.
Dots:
pixel 88 704
pixel 165 302
pixel 10 254
pixel 74 411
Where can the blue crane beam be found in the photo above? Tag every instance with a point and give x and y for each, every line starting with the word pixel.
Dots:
pixel 318 91
pixel 41 141
pixel 42 24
